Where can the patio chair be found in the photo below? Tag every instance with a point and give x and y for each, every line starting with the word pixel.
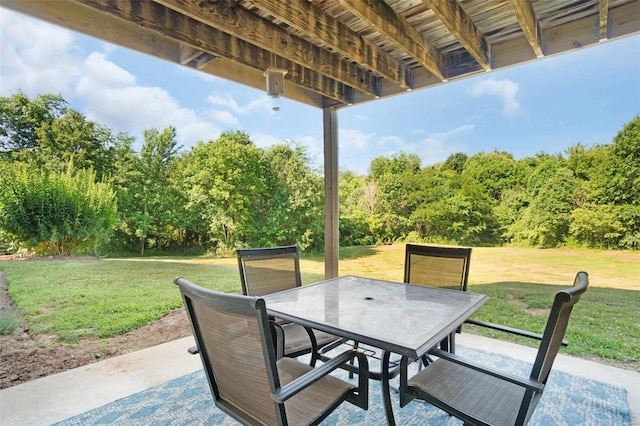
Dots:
pixel 481 395
pixel 448 267
pixel 269 270
pixel 247 380
pixel 437 266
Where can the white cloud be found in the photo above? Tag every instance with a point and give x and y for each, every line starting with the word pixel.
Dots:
pixel 39 58
pixel 390 144
pixel 357 148
pixel 361 117
pixel 222 117
pixel 113 98
pixel 36 57
pixel 436 147
pixel 354 140
pixel 315 146
pixel 264 140
pixel 505 89
pixel 259 105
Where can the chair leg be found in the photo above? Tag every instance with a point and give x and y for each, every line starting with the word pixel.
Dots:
pixel 355 346
pixel 314 358
pixel 448 344
pixel 444 344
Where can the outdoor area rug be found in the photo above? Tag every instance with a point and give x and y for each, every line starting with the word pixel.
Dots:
pixel 187 400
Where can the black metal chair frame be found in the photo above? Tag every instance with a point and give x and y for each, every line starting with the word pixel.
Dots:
pixel 533 386
pixel 254 307
pixel 463 253
pixel 284 252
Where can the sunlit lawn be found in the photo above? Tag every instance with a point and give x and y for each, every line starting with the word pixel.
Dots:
pixel 79 299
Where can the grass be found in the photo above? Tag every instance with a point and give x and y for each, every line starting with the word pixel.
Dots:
pixel 9 322
pixel 78 299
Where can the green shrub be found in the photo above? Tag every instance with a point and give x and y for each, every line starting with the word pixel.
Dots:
pixel 59 213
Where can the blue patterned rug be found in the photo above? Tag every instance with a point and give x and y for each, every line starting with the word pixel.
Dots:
pixel 568 400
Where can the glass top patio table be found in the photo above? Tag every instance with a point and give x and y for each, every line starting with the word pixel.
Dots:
pixel 396 317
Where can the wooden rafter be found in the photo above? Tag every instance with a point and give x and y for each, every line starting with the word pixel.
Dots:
pixel 462 27
pixel 383 18
pixel 527 19
pixel 238 22
pixel 194 57
pixel 343 52
pixel 604 20
pixel 306 18
pixel 188 54
pixel 192 33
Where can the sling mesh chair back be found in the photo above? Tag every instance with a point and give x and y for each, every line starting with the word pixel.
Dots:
pixel 448 267
pixel 247 381
pixel 272 269
pixel 480 395
pixel 437 266
pixel 269 270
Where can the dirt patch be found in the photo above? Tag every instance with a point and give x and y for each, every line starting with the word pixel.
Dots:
pixel 25 357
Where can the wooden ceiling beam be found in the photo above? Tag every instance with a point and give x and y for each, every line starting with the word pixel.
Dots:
pixel 387 22
pixel 201 37
pixel 194 57
pixel 234 20
pixel 462 27
pixel 527 18
pixel 311 20
pixel 188 54
pixel 604 20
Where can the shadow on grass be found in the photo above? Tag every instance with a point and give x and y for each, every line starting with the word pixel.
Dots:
pixel 601 324
pixel 346 253
pixel 524 289
pixel 357 252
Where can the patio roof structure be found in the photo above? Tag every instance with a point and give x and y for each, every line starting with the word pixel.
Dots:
pixel 338 53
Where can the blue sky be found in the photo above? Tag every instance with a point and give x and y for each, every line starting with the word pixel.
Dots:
pixel 548 105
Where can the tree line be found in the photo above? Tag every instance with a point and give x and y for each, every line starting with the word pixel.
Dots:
pixel 69 185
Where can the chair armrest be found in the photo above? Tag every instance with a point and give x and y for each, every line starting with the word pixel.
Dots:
pixel 511 330
pixel 503 375
pixel 278 334
pixel 331 346
pixel 292 388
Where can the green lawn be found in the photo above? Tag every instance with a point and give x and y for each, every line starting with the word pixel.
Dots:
pixel 78 299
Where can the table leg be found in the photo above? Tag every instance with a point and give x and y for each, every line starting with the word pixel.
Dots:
pixel 386 391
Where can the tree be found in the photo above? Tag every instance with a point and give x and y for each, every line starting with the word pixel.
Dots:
pixel 46 133
pixel 454 162
pixel 294 208
pixel 612 189
pixel 60 212
pixel 454 208
pixel 357 203
pixel 149 199
pixel 20 118
pixel 72 139
pixel 546 221
pixel 595 225
pixel 542 168
pixel 617 172
pixel 396 180
pixel 224 181
pixel 495 171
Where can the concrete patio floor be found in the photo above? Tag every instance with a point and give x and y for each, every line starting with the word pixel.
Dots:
pixel 60 396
